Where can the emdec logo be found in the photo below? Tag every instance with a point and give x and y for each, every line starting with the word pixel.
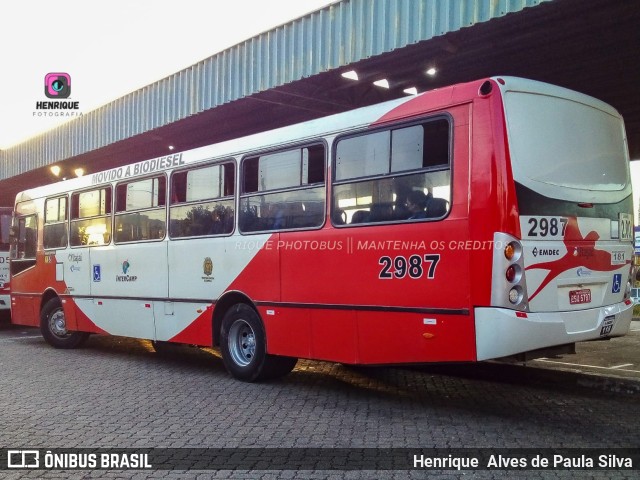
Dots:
pixel 57 85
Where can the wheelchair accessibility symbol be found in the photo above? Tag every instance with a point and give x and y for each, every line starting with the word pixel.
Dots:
pixel 617 283
pixel 96 273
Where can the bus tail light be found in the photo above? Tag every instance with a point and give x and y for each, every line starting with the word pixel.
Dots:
pixel 509 251
pixel 515 295
pixel 513 273
pixel 513 251
pixel 630 280
pixel 508 288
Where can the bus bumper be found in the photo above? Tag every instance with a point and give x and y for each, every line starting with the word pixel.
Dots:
pixel 501 332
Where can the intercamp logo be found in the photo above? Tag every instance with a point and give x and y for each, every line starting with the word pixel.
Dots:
pixel 23 459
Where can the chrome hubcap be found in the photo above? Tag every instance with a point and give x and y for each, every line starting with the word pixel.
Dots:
pixel 57 324
pixel 242 343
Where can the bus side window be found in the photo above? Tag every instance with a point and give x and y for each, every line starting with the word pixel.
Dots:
pixel 55 223
pixel 140 210
pixel 202 201
pixel 395 175
pixel 91 217
pixel 283 190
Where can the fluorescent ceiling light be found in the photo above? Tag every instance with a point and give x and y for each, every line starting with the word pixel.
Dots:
pixel 384 83
pixel 351 75
pixel 411 91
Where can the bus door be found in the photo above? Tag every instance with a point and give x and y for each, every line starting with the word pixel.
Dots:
pixel 128 273
pixel 127 283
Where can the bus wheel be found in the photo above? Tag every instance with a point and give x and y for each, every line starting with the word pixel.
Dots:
pixel 53 326
pixel 244 347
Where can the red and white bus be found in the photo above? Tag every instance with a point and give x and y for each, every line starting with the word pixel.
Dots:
pixel 473 222
pixel 5 230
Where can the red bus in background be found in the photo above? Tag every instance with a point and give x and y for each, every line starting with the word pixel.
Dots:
pixel 479 221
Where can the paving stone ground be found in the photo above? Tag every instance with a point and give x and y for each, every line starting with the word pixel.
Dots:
pixel 118 393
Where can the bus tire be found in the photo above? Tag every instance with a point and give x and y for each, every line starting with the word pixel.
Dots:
pixel 53 327
pixel 244 347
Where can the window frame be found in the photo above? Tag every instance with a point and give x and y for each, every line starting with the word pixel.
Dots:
pixel 449 166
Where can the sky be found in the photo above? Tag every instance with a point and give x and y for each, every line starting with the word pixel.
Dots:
pixel 111 48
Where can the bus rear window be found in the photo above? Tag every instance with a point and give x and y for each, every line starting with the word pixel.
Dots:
pixel 565 149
